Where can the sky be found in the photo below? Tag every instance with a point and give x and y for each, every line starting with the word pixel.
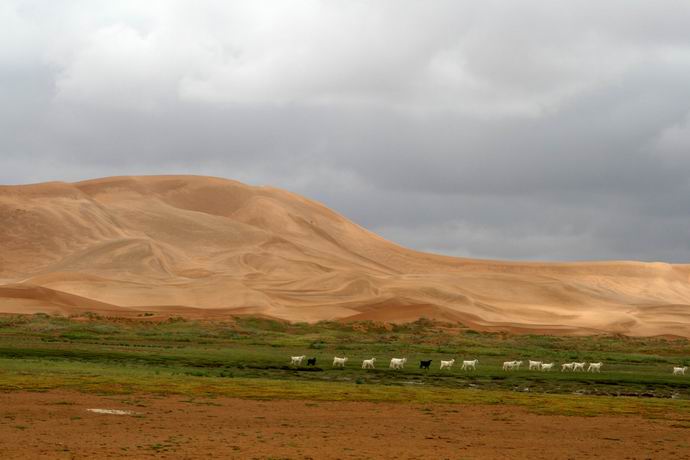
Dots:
pixel 530 130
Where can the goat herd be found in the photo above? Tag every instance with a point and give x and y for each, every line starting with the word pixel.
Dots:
pixel 399 363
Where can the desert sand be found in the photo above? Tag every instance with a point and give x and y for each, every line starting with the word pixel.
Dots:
pixel 210 247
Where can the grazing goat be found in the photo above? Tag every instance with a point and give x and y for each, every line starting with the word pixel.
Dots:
pixel 594 367
pixel 567 367
pixel 425 364
pixel 311 362
pixel 447 364
pixel 467 365
pixel 534 365
pixel 397 363
pixel 679 370
pixel 509 365
pixel 296 360
pixel 368 363
pixel 579 367
pixel 339 362
pixel 546 367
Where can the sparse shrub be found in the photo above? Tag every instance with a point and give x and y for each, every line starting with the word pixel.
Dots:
pixel 91 315
pixel 77 335
pixel 102 328
pixel 197 373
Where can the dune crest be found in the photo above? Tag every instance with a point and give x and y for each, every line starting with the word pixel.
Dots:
pixel 207 246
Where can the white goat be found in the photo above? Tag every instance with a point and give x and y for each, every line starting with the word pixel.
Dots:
pixel 397 363
pixel 567 367
pixel 579 367
pixel 679 370
pixel 546 367
pixel 534 365
pixel 594 367
pixel 509 365
pixel 517 364
pixel 296 360
pixel 447 364
pixel 339 362
pixel 368 363
pixel 467 365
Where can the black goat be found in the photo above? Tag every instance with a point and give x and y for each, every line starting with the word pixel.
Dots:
pixel 311 362
pixel 425 364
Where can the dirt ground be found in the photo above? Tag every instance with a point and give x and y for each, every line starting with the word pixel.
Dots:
pixel 59 424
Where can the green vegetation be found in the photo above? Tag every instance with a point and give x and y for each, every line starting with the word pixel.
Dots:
pixel 248 357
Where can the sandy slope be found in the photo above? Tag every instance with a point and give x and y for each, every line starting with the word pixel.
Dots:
pixel 200 245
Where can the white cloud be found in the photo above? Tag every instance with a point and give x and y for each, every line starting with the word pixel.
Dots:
pixel 491 60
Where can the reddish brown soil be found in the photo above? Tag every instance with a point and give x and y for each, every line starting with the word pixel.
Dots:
pixel 58 425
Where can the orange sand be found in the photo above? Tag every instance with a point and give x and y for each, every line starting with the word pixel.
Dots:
pixel 205 246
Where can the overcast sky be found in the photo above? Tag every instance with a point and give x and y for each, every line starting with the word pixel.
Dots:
pixel 549 130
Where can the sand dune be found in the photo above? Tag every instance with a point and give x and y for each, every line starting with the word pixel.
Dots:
pixel 212 247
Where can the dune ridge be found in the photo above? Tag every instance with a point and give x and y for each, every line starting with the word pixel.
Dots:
pixel 203 246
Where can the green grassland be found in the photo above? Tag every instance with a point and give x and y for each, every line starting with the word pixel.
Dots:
pixel 249 357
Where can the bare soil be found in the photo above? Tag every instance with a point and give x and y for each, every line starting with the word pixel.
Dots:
pixel 58 424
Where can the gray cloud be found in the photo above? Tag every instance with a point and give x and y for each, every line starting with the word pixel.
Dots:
pixel 540 130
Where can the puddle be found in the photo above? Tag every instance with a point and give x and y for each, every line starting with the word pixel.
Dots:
pixel 112 411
